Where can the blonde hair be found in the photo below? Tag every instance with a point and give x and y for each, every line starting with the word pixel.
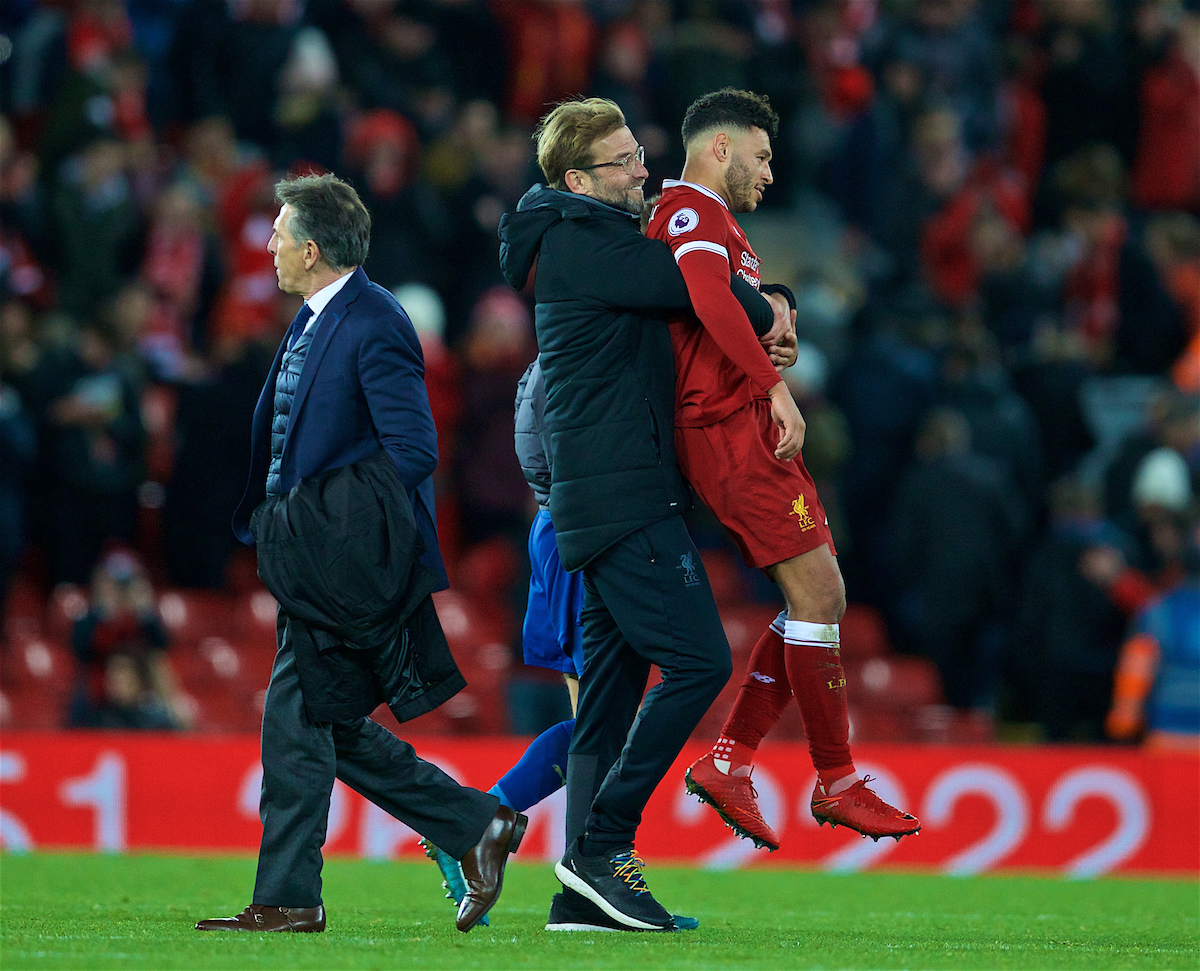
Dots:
pixel 565 136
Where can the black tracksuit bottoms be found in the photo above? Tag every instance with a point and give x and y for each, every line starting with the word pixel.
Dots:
pixel 646 601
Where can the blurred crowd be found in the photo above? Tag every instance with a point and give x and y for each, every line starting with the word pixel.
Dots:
pixel 988 210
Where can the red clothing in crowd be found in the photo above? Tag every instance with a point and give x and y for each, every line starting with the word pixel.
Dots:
pixel 1026 132
pixel 1166 171
pixel 1183 283
pixel 550 47
pixel 172 268
pixel 1092 287
pixel 247 210
pixel 95 32
pixel 946 255
pixel 26 277
pixel 99 638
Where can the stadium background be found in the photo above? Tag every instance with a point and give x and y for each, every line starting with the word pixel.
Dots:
pixel 988 211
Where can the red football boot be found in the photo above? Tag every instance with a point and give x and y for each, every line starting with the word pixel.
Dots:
pixel 734 798
pixel 859 809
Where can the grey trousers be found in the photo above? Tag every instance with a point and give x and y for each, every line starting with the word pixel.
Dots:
pixel 301 759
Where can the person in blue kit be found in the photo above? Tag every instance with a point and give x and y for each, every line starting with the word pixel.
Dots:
pixel 552 637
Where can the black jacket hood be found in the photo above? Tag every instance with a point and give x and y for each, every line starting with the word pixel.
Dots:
pixel 541 208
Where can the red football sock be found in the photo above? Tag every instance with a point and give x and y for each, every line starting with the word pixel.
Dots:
pixel 814 669
pixel 762 699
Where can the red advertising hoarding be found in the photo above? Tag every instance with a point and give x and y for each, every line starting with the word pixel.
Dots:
pixel 1079 811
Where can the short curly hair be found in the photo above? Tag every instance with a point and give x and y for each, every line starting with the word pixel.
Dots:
pixel 729 106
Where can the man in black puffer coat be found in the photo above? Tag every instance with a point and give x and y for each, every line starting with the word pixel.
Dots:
pixel 603 293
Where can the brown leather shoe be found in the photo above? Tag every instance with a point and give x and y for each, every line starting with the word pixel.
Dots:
pixel 483 866
pixel 256 917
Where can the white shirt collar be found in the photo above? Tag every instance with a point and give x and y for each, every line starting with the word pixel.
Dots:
pixel 672 183
pixel 320 300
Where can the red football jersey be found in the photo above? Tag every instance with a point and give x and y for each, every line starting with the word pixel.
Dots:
pixel 719 364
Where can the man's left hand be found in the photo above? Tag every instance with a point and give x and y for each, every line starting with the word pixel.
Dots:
pixel 783 353
pixel 780 341
pixel 785 318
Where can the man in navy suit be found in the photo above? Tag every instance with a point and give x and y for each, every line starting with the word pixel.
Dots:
pixel 347 382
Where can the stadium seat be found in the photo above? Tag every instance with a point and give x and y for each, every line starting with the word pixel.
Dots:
pixel 869 724
pixel 257 659
pixel 22 611
pixel 488 568
pixel 32 708
pixel 192 615
pixel 221 712
pixel 744 625
pixel 864 634
pixel 894 683
pixel 724 576
pixel 482 707
pixel 254 619
pixel 241 571
pixel 42 662
pixel 479 636
pixel 943 725
pixel 38 675
pixel 67 604
pixel 215 674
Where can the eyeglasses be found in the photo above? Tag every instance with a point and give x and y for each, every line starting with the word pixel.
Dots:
pixel 626 162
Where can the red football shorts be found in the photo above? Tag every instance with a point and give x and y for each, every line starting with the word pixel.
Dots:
pixel 769 507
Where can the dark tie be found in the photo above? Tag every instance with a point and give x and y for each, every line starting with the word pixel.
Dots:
pixel 303 315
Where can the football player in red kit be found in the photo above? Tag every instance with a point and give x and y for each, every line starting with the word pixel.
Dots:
pixel 738 434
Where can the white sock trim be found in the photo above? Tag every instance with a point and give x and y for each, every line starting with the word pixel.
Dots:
pixel 841 785
pixel 779 624
pixel 815 635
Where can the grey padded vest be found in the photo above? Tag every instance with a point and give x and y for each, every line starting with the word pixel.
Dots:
pixel 285 391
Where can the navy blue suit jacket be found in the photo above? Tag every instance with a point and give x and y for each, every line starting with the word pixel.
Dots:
pixel 362 388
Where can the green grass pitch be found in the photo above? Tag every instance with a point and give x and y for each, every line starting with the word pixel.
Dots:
pixel 136 912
